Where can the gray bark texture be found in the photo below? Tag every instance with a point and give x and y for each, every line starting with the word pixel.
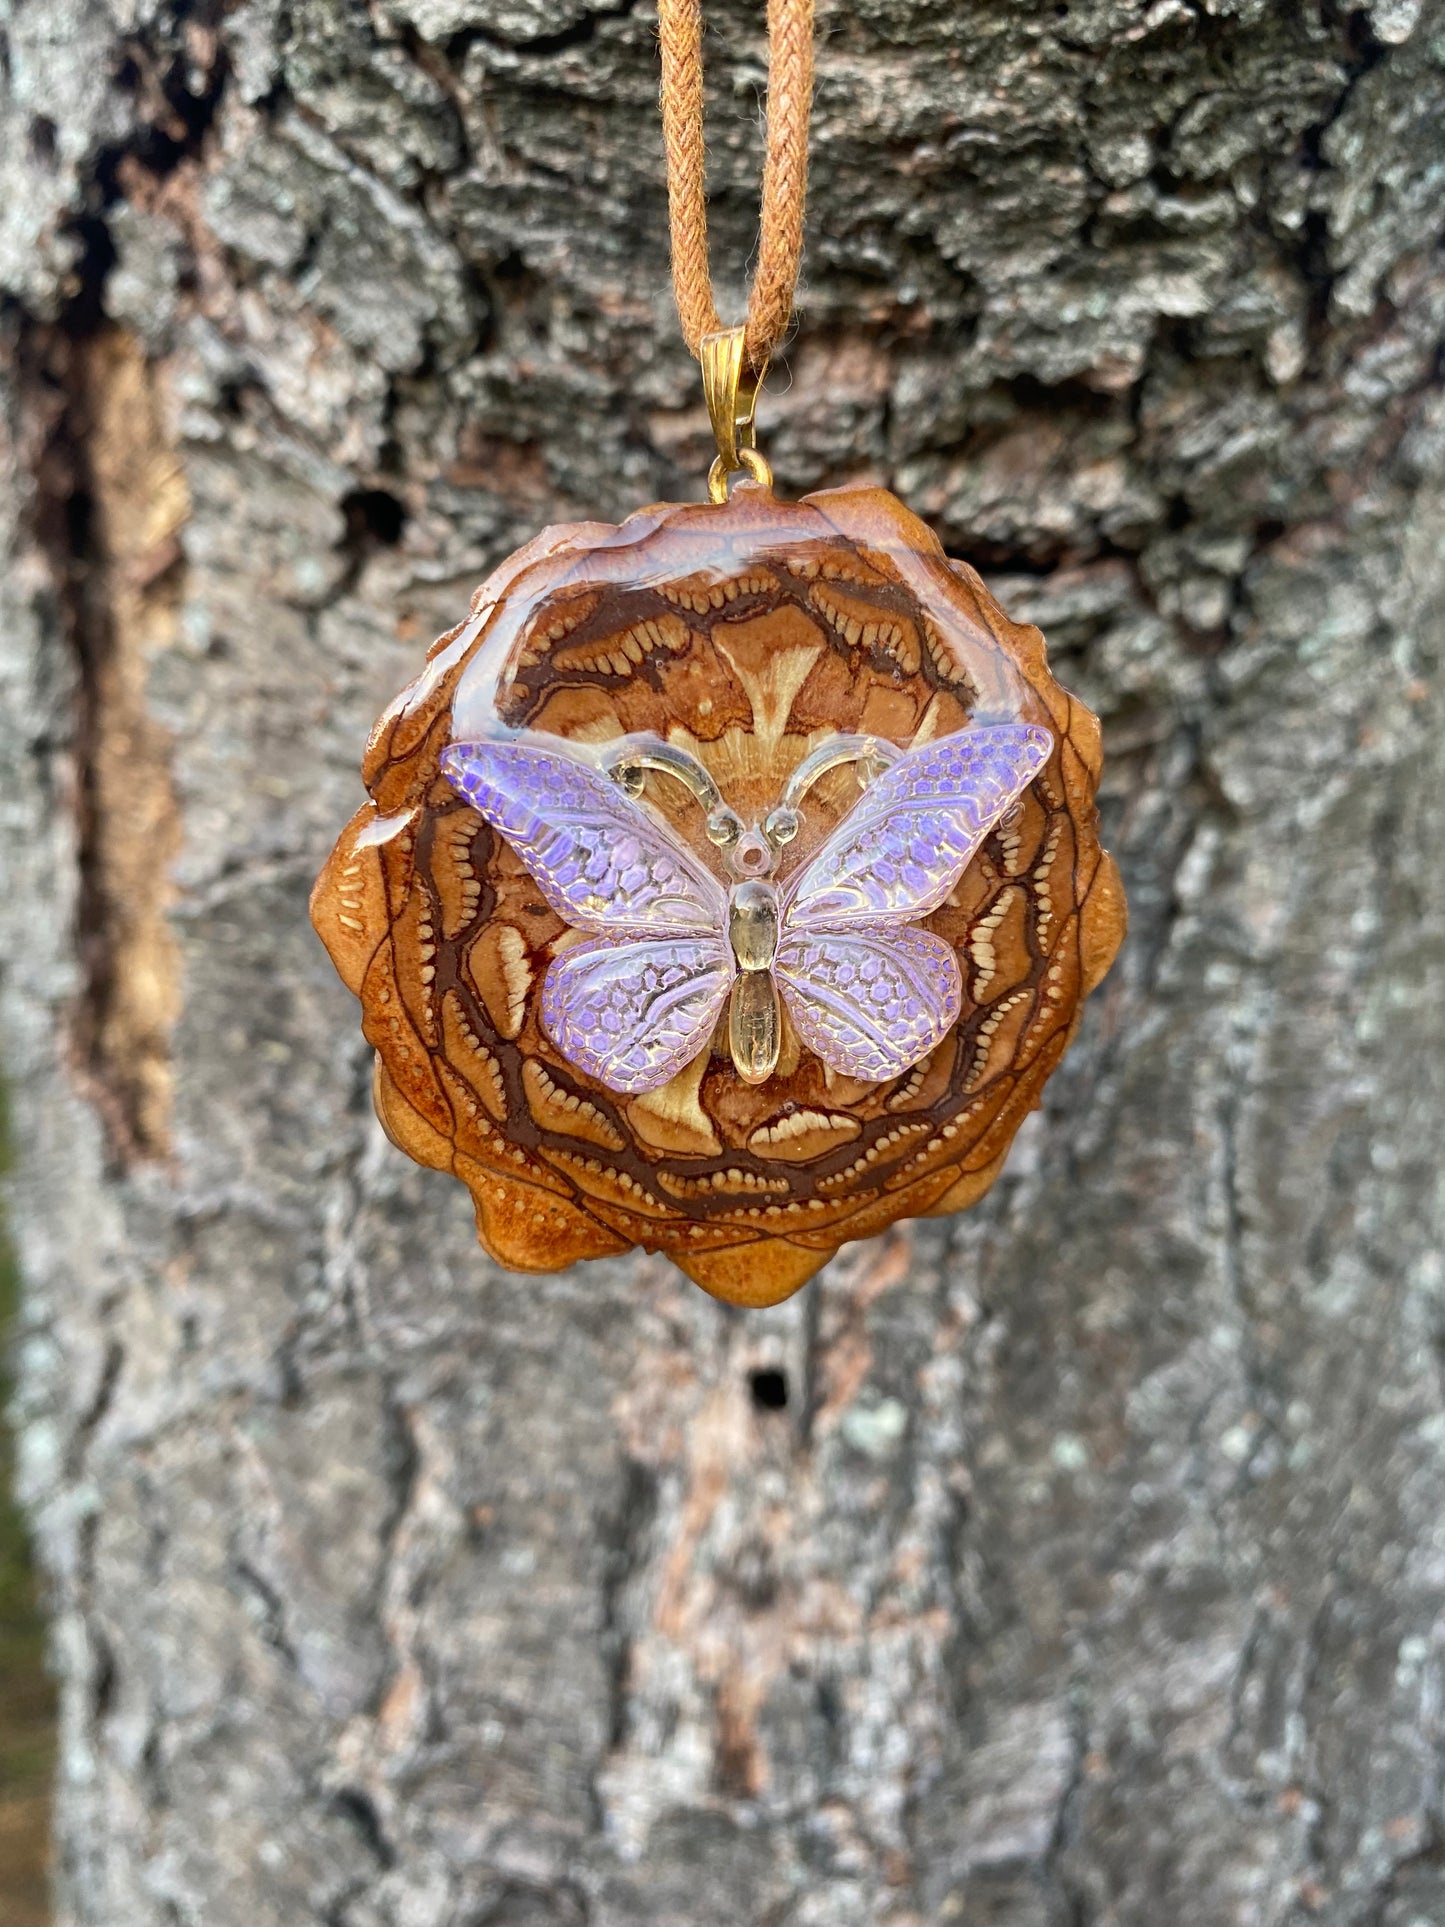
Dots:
pixel 1092 1573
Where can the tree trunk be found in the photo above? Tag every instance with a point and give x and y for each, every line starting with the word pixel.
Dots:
pixel 1077 1562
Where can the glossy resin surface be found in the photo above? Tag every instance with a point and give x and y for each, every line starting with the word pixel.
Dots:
pixel 538 907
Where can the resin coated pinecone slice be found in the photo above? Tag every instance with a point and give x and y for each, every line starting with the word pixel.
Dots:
pixel 748 635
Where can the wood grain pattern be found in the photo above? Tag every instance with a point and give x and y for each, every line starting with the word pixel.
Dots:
pixel 747 633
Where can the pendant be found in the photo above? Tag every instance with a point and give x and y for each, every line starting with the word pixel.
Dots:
pixel 730 884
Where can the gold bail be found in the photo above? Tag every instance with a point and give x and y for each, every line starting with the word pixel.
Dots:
pixel 731 389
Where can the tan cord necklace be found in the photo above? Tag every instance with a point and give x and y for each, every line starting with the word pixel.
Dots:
pixel 734 360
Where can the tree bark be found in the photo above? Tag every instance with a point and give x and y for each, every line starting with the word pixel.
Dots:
pixel 1074 1564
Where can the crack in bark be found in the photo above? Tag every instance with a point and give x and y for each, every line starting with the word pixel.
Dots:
pixel 270 1611
pixel 543 46
pixel 109 505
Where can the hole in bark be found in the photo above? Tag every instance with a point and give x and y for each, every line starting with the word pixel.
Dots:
pixel 373 516
pixel 769 1390
pixel 43 140
pixel 357 1807
pixel 102 1691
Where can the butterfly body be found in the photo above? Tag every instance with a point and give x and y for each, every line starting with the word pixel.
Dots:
pixel 666 944
pixel 755 1018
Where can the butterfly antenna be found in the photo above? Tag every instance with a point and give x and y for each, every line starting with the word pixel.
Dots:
pixel 627 763
pixel 872 754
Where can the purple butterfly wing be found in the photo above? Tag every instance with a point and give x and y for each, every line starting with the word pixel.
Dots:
pixel 870 1003
pixel 869 994
pixel 632 1014
pixel 900 852
pixel 602 861
pixel 636 1004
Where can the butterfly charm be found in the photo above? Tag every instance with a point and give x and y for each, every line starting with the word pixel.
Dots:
pixel 666 944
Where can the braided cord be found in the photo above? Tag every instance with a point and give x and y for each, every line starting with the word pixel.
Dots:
pixel 785 171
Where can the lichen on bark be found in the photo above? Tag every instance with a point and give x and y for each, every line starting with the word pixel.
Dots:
pixel 1075 1561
